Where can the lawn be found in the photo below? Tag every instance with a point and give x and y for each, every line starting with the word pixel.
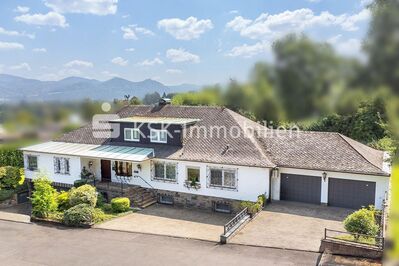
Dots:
pixel 394 211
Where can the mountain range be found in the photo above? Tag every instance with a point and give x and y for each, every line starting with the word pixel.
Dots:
pixel 14 89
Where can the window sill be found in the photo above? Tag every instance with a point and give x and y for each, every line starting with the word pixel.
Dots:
pixel 32 170
pixel 223 188
pixel 173 181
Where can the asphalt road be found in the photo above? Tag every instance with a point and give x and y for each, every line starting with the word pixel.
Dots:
pixel 32 244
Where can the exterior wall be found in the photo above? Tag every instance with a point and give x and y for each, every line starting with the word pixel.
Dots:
pixel 382 183
pixel 251 181
pixel 95 168
pixel 45 163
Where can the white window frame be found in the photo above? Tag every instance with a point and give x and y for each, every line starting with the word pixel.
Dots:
pixel 65 166
pixel 223 182
pixel 27 162
pixel 158 133
pixel 196 168
pixel 156 178
pixel 132 130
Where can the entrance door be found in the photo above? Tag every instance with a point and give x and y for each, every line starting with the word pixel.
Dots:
pixel 105 170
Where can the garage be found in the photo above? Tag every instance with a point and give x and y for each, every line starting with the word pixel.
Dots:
pixel 351 194
pixel 300 188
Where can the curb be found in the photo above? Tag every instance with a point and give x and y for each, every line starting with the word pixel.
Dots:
pixel 279 248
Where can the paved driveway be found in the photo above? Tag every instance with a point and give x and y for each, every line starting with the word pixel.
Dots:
pixel 18 213
pixel 291 225
pixel 171 221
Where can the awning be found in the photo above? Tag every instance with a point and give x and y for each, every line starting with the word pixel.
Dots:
pixel 111 152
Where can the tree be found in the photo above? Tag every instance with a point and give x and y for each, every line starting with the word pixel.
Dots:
pixel 305 72
pixel 210 95
pixel 382 43
pixel 11 177
pixel 135 101
pixel 44 197
pixel 151 98
pixel 361 222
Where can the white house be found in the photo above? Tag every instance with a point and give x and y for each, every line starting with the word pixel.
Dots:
pixel 212 157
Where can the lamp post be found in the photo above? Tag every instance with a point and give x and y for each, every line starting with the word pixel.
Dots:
pixel 324 175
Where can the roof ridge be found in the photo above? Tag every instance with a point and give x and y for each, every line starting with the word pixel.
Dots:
pixel 344 138
pixel 253 139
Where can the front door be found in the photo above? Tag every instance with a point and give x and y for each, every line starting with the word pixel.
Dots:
pixel 105 170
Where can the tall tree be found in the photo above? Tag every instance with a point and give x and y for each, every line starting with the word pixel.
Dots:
pixel 382 43
pixel 305 72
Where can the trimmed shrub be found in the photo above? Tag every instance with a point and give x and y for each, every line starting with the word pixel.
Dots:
pixel 81 214
pixel 79 182
pixel 361 222
pixel 120 205
pixel 85 194
pixel 100 200
pixel 99 216
pixel 63 201
pixel 11 157
pixel 44 197
pixel 11 177
pixel 254 207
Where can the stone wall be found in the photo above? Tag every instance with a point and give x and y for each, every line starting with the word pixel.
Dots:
pixel 187 200
pixel 350 249
pixel 9 202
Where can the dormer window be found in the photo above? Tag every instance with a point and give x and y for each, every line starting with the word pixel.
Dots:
pixel 159 136
pixel 132 134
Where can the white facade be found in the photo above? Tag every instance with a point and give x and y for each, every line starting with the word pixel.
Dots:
pixel 251 181
pixel 381 188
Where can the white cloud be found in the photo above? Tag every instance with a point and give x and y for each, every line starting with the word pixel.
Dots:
pixel 16 33
pixel 11 46
pixel 50 19
pixel 119 61
pixel 109 74
pixel 233 12
pixel 39 50
pixel 155 61
pixel 350 47
pixel 248 51
pixel 22 66
pixel 130 49
pixel 267 26
pixel 173 71
pixel 130 32
pixel 94 7
pixel 366 2
pixel 188 29
pixel 79 63
pixel 180 55
pixel 22 9
pixel 314 1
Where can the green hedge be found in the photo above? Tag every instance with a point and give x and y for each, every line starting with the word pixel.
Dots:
pixel 81 214
pixel 254 207
pixel 11 157
pixel 120 205
pixel 85 194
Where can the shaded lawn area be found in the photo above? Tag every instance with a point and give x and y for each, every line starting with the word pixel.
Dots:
pixel 394 211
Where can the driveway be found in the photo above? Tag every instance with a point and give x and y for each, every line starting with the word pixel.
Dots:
pixel 291 225
pixel 166 220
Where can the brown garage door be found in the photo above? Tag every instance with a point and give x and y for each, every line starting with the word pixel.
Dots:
pixel 300 188
pixel 351 194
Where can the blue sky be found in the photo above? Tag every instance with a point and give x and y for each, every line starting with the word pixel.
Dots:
pixel 174 41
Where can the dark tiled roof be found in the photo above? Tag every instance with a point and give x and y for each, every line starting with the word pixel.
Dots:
pixel 256 146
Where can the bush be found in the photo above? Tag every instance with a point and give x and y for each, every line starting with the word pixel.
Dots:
pixel 85 194
pixel 99 216
pixel 44 197
pixel 6 194
pixel 11 177
pixel 100 200
pixel 81 214
pixel 120 205
pixel 63 201
pixel 254 207
pixel 11 157
pixel 79 182
pixel 361 222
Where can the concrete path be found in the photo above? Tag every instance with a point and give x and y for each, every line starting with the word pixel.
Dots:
pixel 32 244
pixel 170 221
pixel 291 225
pixel 19 213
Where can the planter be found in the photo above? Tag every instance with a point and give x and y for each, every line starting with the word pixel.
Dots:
pixel 189 185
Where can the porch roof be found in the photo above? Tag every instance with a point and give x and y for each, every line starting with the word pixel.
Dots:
pixel 111 152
